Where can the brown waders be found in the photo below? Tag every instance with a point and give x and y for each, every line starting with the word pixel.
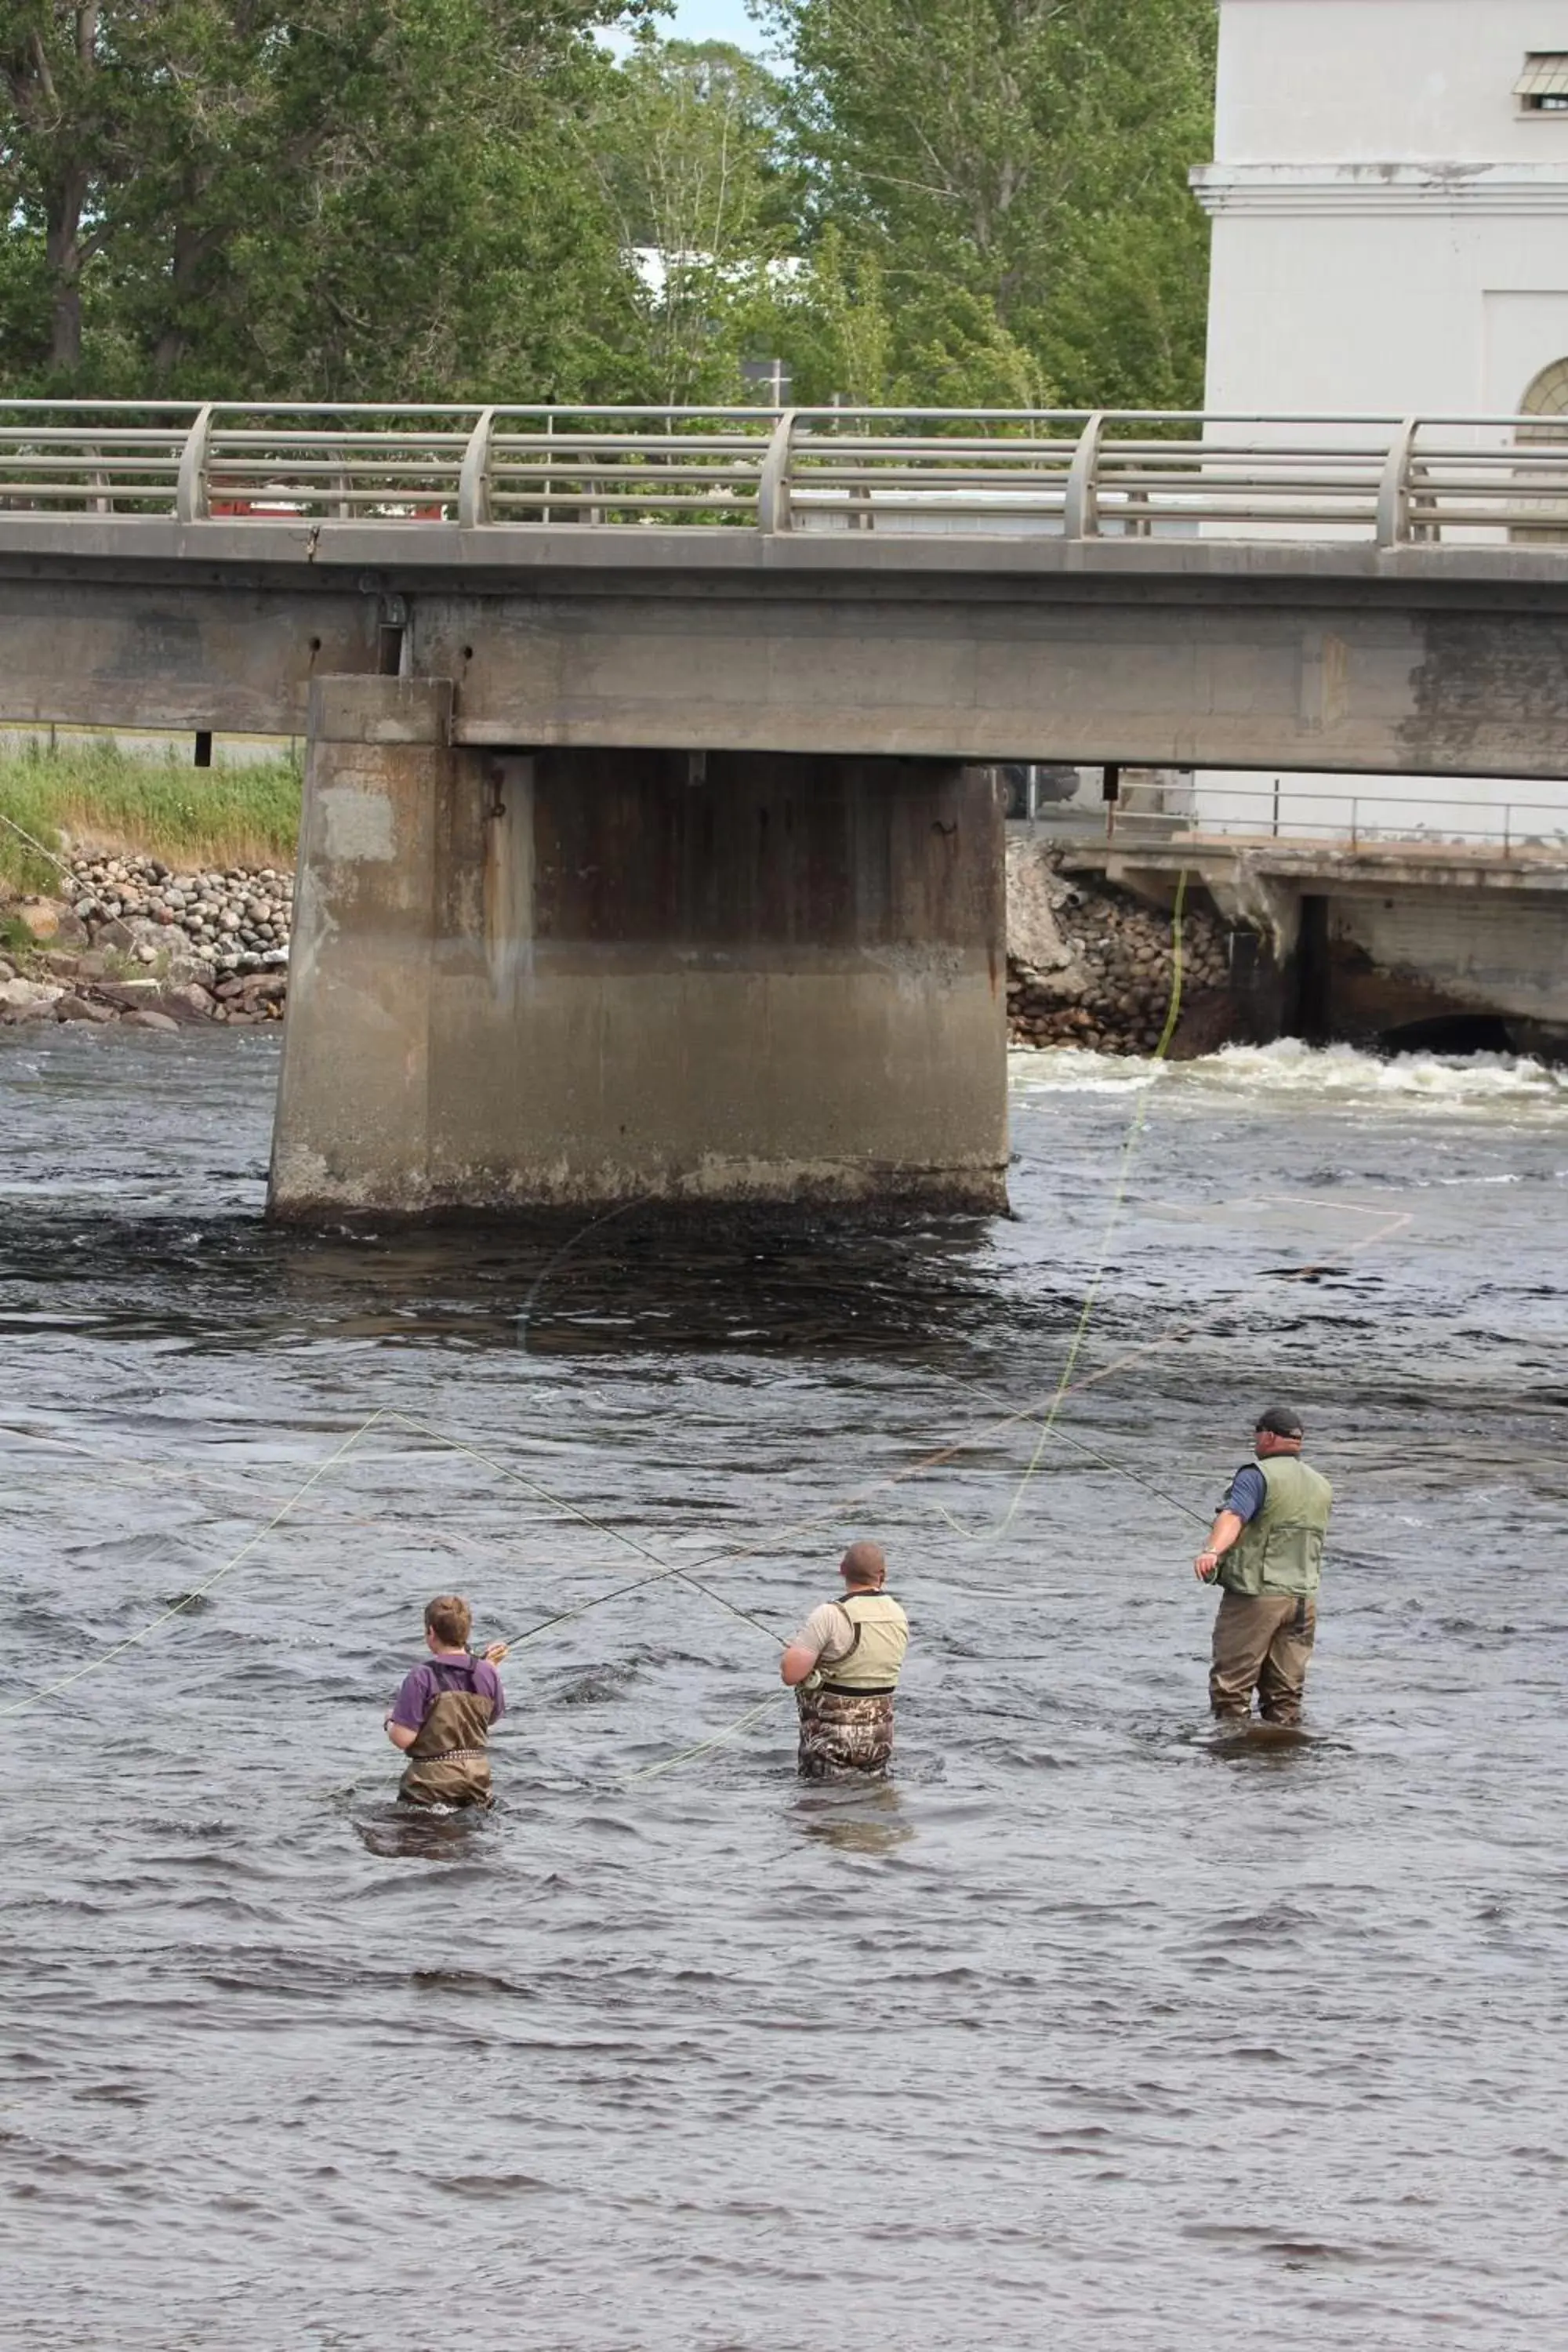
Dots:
pixel 1262 1642
pixel 448 1764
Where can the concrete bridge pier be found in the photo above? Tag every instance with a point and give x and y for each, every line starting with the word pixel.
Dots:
pixel 572 976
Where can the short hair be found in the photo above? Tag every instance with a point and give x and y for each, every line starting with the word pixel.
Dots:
pixel 1280 1422
pixel 865 1562
pixel 449 1617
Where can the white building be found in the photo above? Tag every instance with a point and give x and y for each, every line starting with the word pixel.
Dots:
pixel 1390 207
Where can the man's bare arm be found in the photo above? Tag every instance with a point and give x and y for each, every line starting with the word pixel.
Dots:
pixel 798 1661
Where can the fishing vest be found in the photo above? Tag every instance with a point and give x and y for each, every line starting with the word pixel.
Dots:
pixel 448 1763
pixel 869 1668
pixel 1281 1549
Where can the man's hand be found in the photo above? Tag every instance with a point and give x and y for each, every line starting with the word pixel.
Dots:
pixel 496 1652
pixel 1222 1535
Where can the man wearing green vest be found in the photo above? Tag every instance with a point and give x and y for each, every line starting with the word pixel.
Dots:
pixel 1265 1552
pixel 843 1667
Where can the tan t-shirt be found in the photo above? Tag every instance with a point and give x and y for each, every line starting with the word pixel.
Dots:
pixel 827 1631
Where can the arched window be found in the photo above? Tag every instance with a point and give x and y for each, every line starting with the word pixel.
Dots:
pixel 1545 396
pixel 1548 394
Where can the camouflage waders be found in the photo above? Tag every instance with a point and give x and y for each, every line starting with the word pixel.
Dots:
pixel 448 1764
pixel 844 1731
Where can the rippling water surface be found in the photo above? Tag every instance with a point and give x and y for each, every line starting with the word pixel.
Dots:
pixel 1086 2031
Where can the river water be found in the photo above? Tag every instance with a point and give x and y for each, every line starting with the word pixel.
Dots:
pixel 1088 2029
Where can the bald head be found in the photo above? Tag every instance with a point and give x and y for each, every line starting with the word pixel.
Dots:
pixel 864 1564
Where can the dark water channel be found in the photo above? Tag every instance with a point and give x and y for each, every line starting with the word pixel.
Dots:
pixel 1085 2033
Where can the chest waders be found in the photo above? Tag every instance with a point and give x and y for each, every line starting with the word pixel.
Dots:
pixel 449 1763
pixel 846 1721
pixel 1268 1617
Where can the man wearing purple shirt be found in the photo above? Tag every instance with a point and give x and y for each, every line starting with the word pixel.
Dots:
pixel 442 1715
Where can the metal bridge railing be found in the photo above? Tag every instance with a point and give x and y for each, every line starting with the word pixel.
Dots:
pixel 1394 482
pixel 1361 813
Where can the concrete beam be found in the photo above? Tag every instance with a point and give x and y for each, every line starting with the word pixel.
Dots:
pixel 1026 676
pixel 1323 659
pixel 224 653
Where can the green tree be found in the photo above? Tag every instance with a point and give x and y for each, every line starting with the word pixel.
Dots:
pixel 1028 155
pixel 688 150
pixel 368 197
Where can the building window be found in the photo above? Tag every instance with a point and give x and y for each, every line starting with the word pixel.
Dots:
pixel 1543 87
pixel 1545 397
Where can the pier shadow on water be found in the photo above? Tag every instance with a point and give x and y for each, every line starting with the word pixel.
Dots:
pixel 771 1283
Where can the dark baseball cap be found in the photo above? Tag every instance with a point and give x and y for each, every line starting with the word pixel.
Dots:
pixel 1280 1422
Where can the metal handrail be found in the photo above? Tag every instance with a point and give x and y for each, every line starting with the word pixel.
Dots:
pixel 1275 814
pixel 1395 483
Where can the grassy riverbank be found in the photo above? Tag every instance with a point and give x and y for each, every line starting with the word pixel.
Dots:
pixel 94 796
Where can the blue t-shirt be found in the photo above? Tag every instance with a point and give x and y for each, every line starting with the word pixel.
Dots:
pixel 1247 1493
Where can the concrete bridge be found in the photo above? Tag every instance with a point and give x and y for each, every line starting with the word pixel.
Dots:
pixel 643 851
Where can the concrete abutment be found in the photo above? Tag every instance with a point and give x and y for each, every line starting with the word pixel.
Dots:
pixel 524 980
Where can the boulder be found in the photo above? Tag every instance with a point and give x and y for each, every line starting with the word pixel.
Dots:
pixel 185 966
pixel 14 993
pixel 118 934
pixel 186 1002
pixel 148 1019
pixel 48 919
pixel 83 1008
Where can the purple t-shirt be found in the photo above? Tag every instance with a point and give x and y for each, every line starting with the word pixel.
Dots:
pixel 423 1686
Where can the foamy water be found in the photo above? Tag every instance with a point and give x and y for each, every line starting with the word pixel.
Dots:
pixel 1330 1073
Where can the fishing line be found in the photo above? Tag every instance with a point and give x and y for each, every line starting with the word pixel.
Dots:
pixel 621 1208
pixel 178 1608
pixel 1118 1199
pixel 616 1535
pixel 1078 1444
pixel 229 1482
pixel 23 835
pixel 705 1747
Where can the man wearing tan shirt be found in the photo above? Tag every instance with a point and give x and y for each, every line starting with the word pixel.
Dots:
pixel 844 1667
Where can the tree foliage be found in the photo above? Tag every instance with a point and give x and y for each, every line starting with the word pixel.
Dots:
pixel 1030 154
pixel 687 151
pixel 936 202
pixel 362 197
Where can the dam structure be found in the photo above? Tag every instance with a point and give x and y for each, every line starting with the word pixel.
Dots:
pixel 650 848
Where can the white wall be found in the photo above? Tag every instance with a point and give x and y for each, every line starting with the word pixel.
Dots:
pixel 1428 313
pixel 1426 81
pixel 1389 238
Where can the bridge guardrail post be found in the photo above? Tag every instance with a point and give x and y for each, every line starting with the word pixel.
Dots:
pixel 1393 489
pixel 773 482
pixel 1080 506
pixel 191 500
pixel 474 477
